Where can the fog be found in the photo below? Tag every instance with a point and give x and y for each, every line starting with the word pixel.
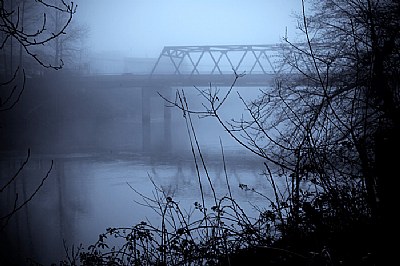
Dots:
pixel 90 119
pixel 141 28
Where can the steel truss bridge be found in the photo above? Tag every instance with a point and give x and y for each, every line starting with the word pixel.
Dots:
pixel 220 59
pixel 202 65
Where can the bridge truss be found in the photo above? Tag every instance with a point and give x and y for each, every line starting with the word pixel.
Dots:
pixel 219 59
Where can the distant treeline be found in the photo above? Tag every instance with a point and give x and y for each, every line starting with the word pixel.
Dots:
pixel 59 114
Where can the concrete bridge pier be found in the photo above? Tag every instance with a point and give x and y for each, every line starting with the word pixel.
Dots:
pixel 149 144
pixel 146 129
pixel 167 92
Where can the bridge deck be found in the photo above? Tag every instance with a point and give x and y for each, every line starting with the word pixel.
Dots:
pixel 130 80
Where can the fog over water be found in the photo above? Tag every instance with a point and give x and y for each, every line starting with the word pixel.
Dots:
pixel 95 136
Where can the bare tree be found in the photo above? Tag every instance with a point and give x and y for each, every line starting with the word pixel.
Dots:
pixel 17 34
pixel 72 46
pixel 68 47
pixel 352 48
pixel 331 128
pixel 12 28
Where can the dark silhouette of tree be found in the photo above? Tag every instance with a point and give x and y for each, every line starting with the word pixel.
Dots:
pixel 330 129
pixel 13 29
pixel 24 31
pixel 18 35
pixel 352 54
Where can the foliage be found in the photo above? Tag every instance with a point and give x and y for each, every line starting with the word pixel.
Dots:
pixel 327 131
pixel 179 241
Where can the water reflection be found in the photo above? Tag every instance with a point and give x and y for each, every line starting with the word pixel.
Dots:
pixel 86 194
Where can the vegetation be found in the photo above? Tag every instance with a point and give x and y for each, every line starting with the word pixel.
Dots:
pixel 23 34
pixel 327 133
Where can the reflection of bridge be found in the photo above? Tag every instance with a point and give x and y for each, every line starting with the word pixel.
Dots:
pixel 187 66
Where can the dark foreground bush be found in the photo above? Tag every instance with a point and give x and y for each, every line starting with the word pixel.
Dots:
pixel 224 234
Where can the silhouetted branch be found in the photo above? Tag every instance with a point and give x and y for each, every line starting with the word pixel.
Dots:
pixel 18 172
pixel 10 95
pixel 6 218
pixel 12 29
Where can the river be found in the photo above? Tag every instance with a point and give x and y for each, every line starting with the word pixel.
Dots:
pixel 86 193
pixel 95 139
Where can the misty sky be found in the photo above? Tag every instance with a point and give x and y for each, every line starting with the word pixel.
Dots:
pixel 141 28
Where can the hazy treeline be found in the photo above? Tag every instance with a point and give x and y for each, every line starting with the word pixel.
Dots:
pixel 35 22
pixel 58 115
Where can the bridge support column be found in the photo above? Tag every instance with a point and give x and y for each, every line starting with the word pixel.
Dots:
pixel 167 92
pixel 162 141
pixel 146 129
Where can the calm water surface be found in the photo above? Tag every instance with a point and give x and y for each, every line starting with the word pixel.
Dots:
pixel 85 194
